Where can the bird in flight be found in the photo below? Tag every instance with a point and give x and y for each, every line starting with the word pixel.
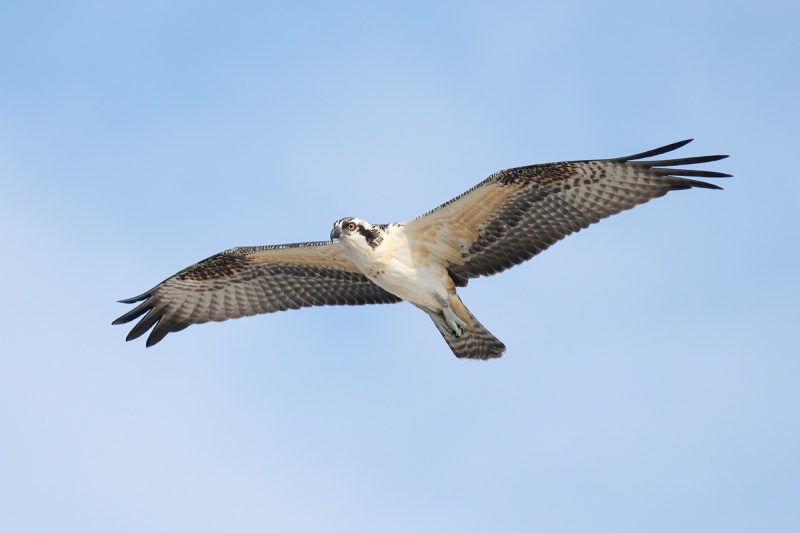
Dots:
pixel 502 221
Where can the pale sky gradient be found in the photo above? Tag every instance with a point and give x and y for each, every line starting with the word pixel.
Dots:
pixel 651 378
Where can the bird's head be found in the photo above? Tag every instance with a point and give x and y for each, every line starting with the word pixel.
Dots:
pixel 354 231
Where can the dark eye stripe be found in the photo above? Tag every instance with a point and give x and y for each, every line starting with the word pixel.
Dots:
pixel 373 236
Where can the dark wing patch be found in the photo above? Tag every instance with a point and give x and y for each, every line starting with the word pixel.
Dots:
pixel 222 265
pixel 249 281
pixel 535 206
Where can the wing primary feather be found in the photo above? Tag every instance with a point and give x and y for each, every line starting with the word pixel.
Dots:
pixel 144 324
pixel 160 331
pixel 133 314
pixel 140 298
pixel 675 172
pixel 654 152
pixel 684 183
pixel 682 161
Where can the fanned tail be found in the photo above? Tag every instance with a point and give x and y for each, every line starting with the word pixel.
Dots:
pixel 477 343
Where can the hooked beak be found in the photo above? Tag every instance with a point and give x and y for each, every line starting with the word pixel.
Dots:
pixel 335 233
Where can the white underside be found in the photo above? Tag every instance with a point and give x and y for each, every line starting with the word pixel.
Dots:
pixel 400 269
pixel 422 287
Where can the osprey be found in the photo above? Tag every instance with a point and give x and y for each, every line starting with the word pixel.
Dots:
pixel 504 220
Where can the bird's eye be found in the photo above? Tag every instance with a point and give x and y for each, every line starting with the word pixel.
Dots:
pixel 351 226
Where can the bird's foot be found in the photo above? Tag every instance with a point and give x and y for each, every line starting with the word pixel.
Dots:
pixel 455 324
pixel 448 322
pixel 441 324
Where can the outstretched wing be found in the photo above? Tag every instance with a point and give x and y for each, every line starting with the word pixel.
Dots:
pixel 514 214
pixel 249 281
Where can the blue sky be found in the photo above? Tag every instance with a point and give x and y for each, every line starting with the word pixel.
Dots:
pixel 650 382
